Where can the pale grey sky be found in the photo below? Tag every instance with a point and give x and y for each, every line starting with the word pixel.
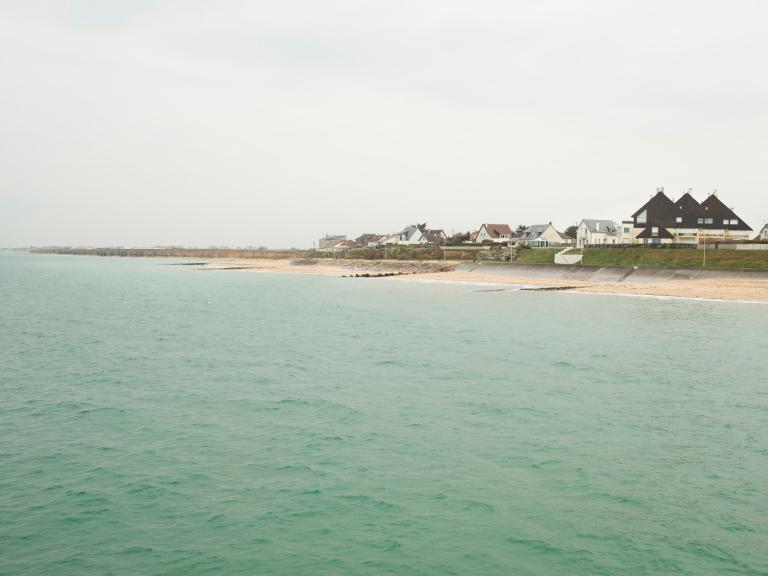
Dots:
pixel 144 122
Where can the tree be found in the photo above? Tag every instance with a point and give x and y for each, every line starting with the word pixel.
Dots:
pixel 459 238
pixel 422 227
pixel 521 230
pixel 571 231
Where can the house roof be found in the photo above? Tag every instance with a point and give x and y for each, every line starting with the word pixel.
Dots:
pixel 497 230
pixel 344 244
pixel 535 230
pixel 602 226
pixel 659 207
pixel 660 211
pixel 661 233
pixel 409 232
pixel 435 236
pixel 715 209
pixel 365 238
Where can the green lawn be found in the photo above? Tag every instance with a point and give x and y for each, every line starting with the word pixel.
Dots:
pixel 684 257
pixel 537 256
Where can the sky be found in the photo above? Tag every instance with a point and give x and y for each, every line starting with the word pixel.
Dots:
pixel 254 123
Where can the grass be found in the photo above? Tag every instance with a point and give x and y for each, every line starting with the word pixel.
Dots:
pixel 536 255
pixel 683 257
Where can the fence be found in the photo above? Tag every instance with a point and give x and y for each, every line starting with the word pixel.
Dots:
pixel 751 246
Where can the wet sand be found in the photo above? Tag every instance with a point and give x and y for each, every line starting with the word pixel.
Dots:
pixel 735 289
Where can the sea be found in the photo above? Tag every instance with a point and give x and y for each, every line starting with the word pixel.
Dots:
pixel 157 419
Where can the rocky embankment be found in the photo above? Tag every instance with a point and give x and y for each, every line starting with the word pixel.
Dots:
pixel 389 267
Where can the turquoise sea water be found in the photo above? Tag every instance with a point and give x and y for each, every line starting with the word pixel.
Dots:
pixel 160 420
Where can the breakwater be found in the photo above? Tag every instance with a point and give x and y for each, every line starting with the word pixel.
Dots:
pixel 175 252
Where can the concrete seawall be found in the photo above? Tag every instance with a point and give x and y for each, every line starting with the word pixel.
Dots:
pixel 605 274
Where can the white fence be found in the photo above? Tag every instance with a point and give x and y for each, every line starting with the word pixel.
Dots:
pixel 751 246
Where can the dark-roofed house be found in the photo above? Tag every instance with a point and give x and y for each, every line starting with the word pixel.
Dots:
pixel 436 236
pixel 366 240
pixel 662 221
pixel 494 232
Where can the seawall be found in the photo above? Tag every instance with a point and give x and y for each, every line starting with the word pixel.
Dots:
pixel 606 274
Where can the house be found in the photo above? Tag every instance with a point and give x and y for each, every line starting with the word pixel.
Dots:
pixel 500 233
pixel 368 240
pixel 763 235
pixel 344 245
pixel 327 242
pixel 543 235
pixel 596 233
pixel 409 235
pixel 436 236
pixel 626 232
pixel 662 221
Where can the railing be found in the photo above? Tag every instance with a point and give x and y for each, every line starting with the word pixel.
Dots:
pixel 751 246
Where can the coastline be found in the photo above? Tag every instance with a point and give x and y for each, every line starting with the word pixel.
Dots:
pixel 716 289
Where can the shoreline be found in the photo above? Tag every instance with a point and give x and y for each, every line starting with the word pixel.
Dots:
pixel 723 285
pixel 749 290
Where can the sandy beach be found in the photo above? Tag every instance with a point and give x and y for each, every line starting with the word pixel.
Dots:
pixel 732 289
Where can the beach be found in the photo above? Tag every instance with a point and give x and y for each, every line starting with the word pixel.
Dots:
pixel 750 289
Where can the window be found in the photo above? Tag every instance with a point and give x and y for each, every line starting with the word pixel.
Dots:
pixel 626 230
pixel 725 222
pixel 642 218
pixel 734 222
pixel 700 221
pixel 679 219
pixel 709 221
pixel 654 230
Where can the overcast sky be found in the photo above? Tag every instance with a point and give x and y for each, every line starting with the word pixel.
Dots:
pixel 156 122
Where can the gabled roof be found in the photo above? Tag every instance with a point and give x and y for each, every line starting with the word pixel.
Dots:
pixel 435 236
pixel 603 226
pixel 535 230
pixel 715 209
pixel 660 211
pixel 661 233
pixel 497 230
pixel 365 238
pixel 659 207
pixel 409 232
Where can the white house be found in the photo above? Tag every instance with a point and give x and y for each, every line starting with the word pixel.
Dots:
pixel 543 235
pixel 327 242
pixel 410 235
pixel 499 233
pixel 596 233
pixel 763 233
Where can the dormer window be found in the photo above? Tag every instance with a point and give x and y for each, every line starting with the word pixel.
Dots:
pixel 654 230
